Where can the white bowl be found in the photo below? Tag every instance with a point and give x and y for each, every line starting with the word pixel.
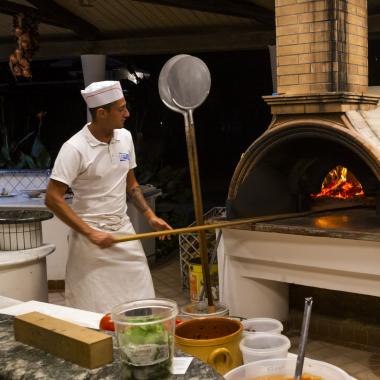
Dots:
pixel 33 193
pixel 262 346
pixel 286 367
pixel 267 325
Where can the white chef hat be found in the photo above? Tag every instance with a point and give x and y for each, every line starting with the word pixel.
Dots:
pixel 99 93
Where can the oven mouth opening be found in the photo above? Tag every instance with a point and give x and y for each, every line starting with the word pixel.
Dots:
pixel 340 183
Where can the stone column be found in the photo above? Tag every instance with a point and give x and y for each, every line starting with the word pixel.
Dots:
pixel 94 70
pixel 322 46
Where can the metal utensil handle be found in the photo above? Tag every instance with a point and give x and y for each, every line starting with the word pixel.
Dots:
pixel 211 262
pixel 303 338
pixel 224 224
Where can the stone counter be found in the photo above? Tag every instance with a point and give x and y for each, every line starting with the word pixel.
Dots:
pixel 19 361
pixel 356 224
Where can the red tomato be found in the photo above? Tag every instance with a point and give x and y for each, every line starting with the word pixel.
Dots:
pixel 106 323
pixel 178 321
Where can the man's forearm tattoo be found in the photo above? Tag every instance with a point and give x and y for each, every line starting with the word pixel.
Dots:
pixel 137 197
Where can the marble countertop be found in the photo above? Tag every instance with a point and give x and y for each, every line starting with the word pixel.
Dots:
pixel 23 216
pixel 19 361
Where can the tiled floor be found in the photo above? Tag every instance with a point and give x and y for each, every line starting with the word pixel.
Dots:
pixel 362 365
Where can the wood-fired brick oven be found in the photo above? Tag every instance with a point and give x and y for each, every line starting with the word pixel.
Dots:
pixel 323 117
pixel 289 162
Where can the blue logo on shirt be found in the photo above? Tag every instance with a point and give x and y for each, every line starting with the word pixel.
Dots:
pixel 124 156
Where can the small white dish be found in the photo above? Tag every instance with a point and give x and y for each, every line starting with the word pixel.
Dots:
pixel 32 193
pixel 261 325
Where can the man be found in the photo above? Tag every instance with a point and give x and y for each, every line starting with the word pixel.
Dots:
pixel 97 163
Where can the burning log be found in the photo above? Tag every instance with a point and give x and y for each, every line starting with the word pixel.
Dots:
pixel 340 183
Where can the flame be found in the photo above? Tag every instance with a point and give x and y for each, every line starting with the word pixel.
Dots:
pixel 332 221
pixel 340 183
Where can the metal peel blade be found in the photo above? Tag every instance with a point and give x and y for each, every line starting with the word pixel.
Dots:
pixel 303 338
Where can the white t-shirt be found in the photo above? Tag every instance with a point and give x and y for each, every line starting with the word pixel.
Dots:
pixel 96 172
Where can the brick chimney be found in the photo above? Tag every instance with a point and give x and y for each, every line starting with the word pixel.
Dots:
pixel 322 46
pixel 322 58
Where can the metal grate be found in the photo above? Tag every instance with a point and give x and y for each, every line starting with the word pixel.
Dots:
pixel 189 244
pixel 21 229
pixel 19 236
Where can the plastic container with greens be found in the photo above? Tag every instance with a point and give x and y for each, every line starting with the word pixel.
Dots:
pixel 144 331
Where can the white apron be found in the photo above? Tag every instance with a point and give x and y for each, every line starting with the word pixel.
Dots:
pixel 98 279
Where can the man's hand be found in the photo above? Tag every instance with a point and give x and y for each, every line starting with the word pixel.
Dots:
pixel 136 195
pixel 101 239
pixel 159 224
pixel 55 201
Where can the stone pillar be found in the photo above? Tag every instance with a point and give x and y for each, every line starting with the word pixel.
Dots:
pixel 94 70
pixel 322 46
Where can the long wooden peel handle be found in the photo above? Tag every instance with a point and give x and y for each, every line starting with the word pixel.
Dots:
pixel 230 223
pixel 212 226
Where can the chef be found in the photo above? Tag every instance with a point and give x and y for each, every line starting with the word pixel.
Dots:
pixel 97 164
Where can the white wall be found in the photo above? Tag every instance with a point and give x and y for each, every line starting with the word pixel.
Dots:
pixel 56 232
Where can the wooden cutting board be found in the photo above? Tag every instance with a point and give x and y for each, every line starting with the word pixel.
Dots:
pixel 77 344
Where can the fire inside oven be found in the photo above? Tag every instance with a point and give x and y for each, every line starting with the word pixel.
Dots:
pixel 297 173
pixel 340 183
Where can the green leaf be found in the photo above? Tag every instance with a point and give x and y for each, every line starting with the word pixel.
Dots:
pixel 5 153
pixel 37 147
pixel 43 160
pixel 27 161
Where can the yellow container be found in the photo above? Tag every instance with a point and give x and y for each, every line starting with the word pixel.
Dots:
pixel 196 280
pixel 212 340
